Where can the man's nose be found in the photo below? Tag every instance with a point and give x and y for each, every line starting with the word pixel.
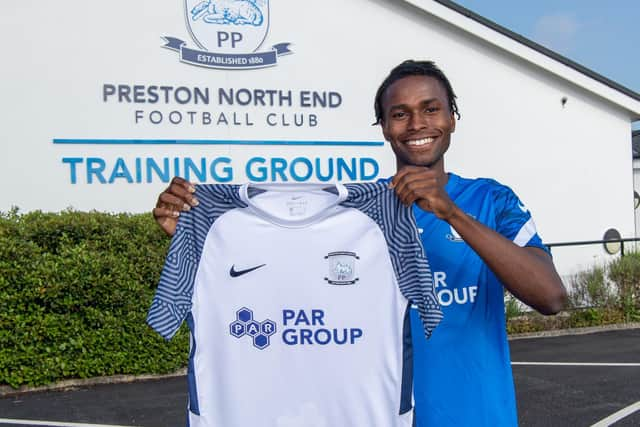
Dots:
pixel 417 122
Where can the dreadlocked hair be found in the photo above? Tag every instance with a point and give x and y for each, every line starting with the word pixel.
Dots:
pixel 414 68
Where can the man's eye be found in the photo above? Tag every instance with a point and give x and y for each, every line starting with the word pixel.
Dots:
pixel 398 115
pixel 431 109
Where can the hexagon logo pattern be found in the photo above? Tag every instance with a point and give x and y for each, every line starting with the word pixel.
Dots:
pixel 246 325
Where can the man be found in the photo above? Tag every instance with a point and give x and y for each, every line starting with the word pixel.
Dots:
pixel 478 236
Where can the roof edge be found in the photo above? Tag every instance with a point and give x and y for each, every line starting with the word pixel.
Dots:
pixel 539 48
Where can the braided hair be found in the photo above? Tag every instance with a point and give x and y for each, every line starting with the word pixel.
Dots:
pixel 414 68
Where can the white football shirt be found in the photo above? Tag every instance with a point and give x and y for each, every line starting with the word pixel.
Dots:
pixel 297 299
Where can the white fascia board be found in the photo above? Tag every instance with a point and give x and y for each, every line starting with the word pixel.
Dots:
pixel 530 55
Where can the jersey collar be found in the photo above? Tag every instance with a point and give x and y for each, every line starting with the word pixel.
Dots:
pixel 248 190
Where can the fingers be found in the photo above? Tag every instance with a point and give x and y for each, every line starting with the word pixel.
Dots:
pixel 412 180
pixel 177 181
pixel 178 196
pixel 407 170
pixel 411 184
pixel 167 219
pixel 162 212
pixel 411 192
pixel 423 186
pixel 180 202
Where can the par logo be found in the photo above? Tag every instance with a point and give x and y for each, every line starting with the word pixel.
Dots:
pixel 246 325
pixel 230 32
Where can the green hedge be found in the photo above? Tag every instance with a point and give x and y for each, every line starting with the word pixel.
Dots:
pixel 75 288
pixel 601 295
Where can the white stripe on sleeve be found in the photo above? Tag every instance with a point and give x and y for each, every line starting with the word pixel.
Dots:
pixel 525 234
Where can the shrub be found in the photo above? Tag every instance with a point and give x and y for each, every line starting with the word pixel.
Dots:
pixel 512 307
pixel 594 316
pixel 532 321
pixel 625 273
pixel 601 295
pixel 590 289
pixel 75 288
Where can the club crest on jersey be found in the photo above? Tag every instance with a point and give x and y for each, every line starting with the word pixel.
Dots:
pixel 259 332
pixel 342 268
pixel 453 235
pixel 230 32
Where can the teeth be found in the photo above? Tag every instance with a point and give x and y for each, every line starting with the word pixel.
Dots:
pixel 418 142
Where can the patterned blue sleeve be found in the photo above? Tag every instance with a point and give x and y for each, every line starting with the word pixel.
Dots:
pixel 407 254
pixel 513 219
pixel 172 301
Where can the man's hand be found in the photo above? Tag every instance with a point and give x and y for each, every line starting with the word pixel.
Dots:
pixel 177 197
pixel 528 273
pixel 425 187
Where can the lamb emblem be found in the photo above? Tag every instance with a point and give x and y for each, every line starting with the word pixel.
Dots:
pixel 342 268
pixel 229 35
pixel 237 12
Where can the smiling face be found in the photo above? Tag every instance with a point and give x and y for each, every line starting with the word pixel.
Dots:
pixel 417 121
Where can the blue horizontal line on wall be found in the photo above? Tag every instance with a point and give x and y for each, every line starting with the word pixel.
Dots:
pixel 93 141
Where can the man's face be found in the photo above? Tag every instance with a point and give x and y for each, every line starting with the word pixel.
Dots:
pixel 417 121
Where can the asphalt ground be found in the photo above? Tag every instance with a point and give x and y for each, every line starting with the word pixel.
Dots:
pixel 570 380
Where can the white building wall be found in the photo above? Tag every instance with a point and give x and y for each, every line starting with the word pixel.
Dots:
pixel 636 187
pixel 570 164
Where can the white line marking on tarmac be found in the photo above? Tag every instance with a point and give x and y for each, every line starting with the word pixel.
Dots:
pixel 615 417
pixel 52 423
pixel 575 364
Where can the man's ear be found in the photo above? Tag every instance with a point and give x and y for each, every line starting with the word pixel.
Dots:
pixel 384 130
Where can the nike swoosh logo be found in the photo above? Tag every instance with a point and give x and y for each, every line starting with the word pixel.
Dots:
pixel 235 273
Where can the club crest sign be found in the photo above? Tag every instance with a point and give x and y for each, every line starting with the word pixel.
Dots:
pixel 342 268
pixel 224 26
pixel 228 33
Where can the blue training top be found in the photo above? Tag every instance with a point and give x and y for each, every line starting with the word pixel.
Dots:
pixel 463 373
